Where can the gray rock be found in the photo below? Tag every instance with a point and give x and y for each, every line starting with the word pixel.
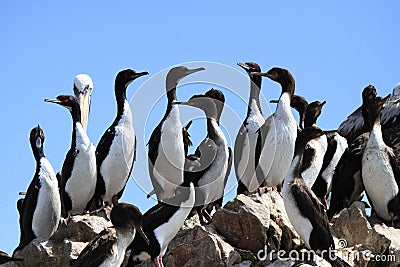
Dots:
pixel 251 222
pixel 200 246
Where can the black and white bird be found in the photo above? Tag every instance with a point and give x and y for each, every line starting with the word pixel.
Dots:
pixel 305 211
pixel 166 155
pixel 246 139
pixel 347 185
pixel 380 173
pixel 41 209
pixel 83 88
pixel 275 143
pixel 109 246
pixel 316 148
pixel 337 146
pixel 78 174
pixel 116 150
pixel 300 104
pixel 327 149
pixel 215 156
pixel 353 125
pixel 4 257
pixel 161 223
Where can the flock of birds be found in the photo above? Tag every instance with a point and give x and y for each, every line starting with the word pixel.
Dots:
pixel 318 173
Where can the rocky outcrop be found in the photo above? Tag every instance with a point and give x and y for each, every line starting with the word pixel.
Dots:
pixel 65 245
pixel 366 241
pixel 239 236
pixel 253 222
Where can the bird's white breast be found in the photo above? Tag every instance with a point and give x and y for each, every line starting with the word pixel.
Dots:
pixel 82 183
pixel 377 174
pixel 167 231
pixel 300 223
pixel 319 145
pixel 211 185
pixel 117 165
pixel 123 240
pixel 278 149
pixel 341 147
pixel 246 166
pixel 169 164
pixel 48 209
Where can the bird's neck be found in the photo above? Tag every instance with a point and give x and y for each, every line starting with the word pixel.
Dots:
pixel 171 96
pixel 255 86
pixel 297 162
pixel 310 122
pixel 38 153
pixel 120 96
pixel 288 86
pixel 367 123
pixel 171 85
pixel 213 130
pixel 283 108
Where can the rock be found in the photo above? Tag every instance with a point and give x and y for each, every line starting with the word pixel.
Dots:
pixel 200 246
pixel 393 252
pixel 251 222
pixel 237 234
pixel 66 243
pixel 81 228
pixel 191 222
pixel 353 228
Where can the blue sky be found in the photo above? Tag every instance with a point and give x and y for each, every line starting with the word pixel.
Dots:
pixel 333 49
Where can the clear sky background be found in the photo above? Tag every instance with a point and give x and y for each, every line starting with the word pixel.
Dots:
pixel 333 49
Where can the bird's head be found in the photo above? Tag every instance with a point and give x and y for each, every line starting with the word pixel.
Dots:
pixel 83 88
pixel 124 215
pixel 250 67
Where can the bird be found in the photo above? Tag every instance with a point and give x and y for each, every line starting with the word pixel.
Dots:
pixel 116 150
pixel 328 149
pixel 215 156
pixel 4 257
pixel 299 103
pixel 305 211
pixel 109 246
pixel 246 139
pixel 166 155
pixel 337 146
pixel 322 154
pixel 161 223
pixel 353 125
pixel 347 185
pixel 316 148
pixel 379 172
pixel 78 174
pixel 41 209
pixel 83 88
pixel 204 156
pixel 275 143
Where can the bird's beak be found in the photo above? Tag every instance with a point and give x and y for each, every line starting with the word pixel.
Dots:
pixel 273 101
pixel 188 125
pixel 141 232
pixel 138 74
pixel 323 103
pixel 52 100
pixel 84 103
pixel 244 66
pixel 265 74
pixel 190 71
